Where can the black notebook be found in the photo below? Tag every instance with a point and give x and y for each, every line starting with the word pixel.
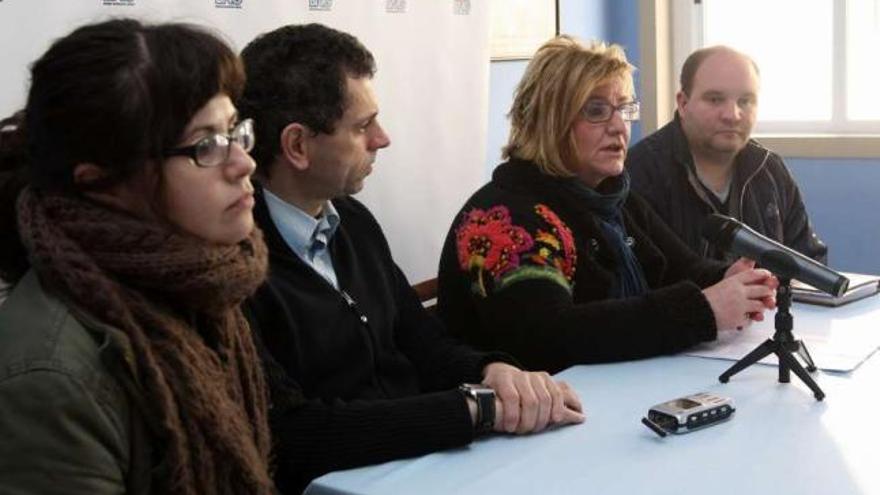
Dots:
pixel 860 287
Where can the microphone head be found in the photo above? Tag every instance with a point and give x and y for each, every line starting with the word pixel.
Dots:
pixel 736 238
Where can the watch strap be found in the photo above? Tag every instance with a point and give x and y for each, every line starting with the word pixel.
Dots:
pixel 485 400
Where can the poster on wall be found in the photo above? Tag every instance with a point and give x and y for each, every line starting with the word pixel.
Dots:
pixel 518 27
pixel 432 85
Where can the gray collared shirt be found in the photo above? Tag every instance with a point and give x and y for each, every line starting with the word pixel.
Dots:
pixel 306 235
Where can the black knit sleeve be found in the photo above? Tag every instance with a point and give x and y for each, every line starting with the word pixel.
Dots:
pixel 515 292
pixel 442 361
pixel 537 322
pixel 312 437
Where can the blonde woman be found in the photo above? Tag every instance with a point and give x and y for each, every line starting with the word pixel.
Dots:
pixel 555 260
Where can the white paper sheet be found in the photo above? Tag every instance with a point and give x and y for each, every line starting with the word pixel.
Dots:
pixel 838 339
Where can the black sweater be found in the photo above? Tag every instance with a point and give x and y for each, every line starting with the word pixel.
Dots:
pixel 525 269
pixel 354 383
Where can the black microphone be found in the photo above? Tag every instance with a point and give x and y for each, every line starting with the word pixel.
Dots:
pixel 739 239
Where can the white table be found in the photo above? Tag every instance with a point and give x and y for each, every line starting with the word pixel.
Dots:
pixel 780 441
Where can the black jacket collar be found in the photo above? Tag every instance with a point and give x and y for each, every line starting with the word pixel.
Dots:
pixel 747 161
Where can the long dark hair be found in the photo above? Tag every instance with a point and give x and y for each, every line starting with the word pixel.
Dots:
pixel 114 94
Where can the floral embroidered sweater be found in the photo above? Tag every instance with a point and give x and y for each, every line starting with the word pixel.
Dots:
pixel 525 269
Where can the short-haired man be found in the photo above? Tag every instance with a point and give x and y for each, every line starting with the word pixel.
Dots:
pixel 359 372
pixel 704 161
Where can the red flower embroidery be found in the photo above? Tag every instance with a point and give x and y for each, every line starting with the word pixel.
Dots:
pixel 560 233
pixel 487 240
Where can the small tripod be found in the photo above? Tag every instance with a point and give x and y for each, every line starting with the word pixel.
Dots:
pixel 783 344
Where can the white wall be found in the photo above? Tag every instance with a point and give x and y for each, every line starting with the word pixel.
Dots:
pixel 432 86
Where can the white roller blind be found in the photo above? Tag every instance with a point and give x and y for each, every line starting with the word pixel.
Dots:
pixel 432 85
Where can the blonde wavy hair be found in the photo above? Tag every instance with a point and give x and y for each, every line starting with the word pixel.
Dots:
pixel 556 85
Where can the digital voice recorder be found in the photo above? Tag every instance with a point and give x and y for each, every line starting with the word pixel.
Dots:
pixel 688 413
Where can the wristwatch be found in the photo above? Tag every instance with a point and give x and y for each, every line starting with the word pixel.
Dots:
pixel 485 399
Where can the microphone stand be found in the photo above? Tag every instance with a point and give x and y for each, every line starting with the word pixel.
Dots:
pixel 783 344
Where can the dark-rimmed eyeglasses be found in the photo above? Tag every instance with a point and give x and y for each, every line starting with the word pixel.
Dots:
pixel 598 111
pixel 214 149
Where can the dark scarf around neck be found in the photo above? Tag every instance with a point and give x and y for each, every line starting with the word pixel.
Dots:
pixel 176 298
pixel 606 202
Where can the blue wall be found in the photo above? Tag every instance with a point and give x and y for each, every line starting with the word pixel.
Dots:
pixel 843 202
pixel 503 78
pixel 842 195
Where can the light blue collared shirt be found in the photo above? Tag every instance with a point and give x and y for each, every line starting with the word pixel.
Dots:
pixel 306 235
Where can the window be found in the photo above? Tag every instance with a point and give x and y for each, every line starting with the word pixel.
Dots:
pixel 819 68
pixel 863 64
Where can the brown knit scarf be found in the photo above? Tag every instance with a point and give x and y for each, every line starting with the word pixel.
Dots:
pixel 177 298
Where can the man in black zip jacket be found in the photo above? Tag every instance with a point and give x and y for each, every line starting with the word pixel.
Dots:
pixel 358 371
pixel 704 161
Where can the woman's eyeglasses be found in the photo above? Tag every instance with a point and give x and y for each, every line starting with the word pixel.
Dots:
pixel 214 149
pixel 598 111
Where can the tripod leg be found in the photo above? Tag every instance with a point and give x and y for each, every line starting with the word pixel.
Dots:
pixel 805 356
pixel 784 375
pixel 799 370
pixel 757 354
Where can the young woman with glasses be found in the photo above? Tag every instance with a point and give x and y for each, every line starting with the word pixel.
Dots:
pixel 125 363
pixel 555 260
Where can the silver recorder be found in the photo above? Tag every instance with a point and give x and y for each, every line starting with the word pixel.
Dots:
pixel 689 413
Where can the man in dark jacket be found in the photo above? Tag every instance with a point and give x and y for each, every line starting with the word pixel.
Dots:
pixel 358 371
pixel 704 161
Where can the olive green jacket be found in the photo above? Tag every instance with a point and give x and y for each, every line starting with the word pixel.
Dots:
pixel 69 420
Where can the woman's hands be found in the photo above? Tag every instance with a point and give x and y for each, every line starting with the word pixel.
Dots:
pixel 742 296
